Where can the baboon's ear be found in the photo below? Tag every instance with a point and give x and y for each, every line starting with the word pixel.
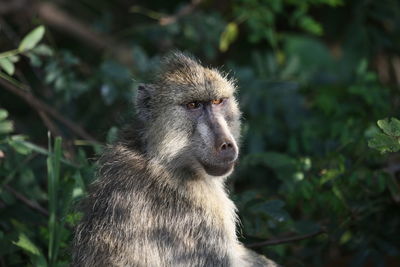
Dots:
pixel 144 93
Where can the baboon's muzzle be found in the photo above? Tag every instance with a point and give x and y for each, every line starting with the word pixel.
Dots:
pixel 222 145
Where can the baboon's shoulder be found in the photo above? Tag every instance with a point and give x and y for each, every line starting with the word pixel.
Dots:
pixel 121 159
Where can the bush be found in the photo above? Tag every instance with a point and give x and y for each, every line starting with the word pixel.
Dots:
pixel 317 183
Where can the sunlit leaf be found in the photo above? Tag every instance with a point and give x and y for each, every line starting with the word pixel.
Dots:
pixel 384 143
pixel 310 25
pixel 3 114
pixel 7 65
pixel 31 39
pixel 6 127
pixel 345 237
pixel 390 126
pixel 13 58
pixel 26 244
pixel 17 143
pixel 228 36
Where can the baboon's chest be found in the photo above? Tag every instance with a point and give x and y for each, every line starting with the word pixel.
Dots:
pixel 181 238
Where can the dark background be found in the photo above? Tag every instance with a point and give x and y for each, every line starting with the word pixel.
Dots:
pixel 314 76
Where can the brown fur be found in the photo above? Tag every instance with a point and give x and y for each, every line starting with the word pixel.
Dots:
pixel 154 204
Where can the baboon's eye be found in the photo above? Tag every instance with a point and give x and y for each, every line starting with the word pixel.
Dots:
pixel 193 105
pixel 217 101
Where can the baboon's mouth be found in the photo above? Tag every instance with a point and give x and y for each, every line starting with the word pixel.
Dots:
pixel 217 169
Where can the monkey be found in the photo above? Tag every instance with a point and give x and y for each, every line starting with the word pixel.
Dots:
pixel 160 197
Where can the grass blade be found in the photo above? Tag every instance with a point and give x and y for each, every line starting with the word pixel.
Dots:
pixel 53 172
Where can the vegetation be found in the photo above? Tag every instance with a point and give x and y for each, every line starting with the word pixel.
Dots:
pixel 318 180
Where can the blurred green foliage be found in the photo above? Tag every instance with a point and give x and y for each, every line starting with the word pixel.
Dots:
pixel 388 141
pixel 317 79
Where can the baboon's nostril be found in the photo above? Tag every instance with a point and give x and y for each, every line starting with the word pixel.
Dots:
pixel 226 150
pixel 226 145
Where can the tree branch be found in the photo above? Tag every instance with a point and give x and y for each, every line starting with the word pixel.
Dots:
pixel 392 169
pixel 11 5
pixel 38 105
pixel 55 17
pixel 184 11
pixel 26 201
pixel 285 240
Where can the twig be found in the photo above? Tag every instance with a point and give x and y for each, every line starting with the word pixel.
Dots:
pixel 392 170
pixel 11 5
pixel 45 118
pixel 396 68
pixel 41 106
pixel 285 240
pixel 49 124
pixel 31 204
pixel 26 201
pixel 184 11
pixel 11 174
pixel 55 17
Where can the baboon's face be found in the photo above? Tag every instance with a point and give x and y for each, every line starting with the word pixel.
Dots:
pixel 212 142
pixel 195 124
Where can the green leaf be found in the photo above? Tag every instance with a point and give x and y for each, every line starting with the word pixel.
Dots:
pixel 390 126
pixel 338 193
pixel 330 174
pixel 27 245
pixel 384 143
pixel 112 134
pixel 53 172
pixel 17 143
pixel 11 54
pixel 3 114
pixel 43 50
pixel 346 237
pixel 20 140
pixel 39 261
pixel 6 127
pixel 7 66
pixel 271 36
pixel 31 39
pixel 362 67
pixel 228 36
pixel 13 58
pixel 310 25
pixel 77 192
pixel 306 163
pixel 34 58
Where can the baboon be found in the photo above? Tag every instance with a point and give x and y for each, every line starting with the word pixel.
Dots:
pixel 160 198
